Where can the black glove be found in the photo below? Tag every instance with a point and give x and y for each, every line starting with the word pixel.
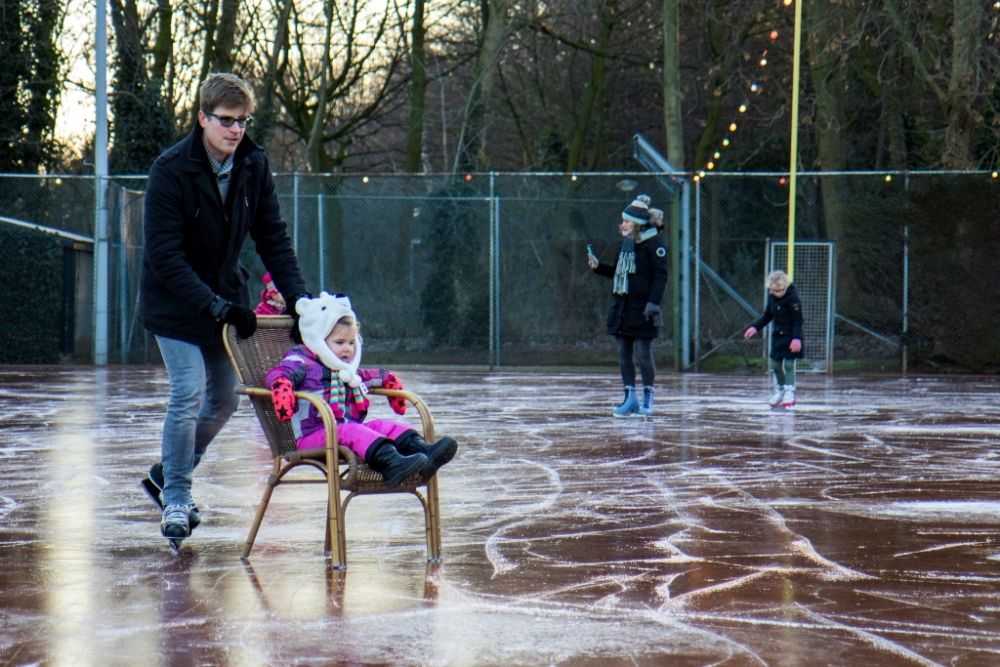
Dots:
pixel 295 333
pixel 652 314
pixel 241 317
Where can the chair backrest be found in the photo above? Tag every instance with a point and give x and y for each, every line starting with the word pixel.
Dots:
pixel 253 357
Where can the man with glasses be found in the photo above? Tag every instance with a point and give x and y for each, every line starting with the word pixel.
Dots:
pixel 204 196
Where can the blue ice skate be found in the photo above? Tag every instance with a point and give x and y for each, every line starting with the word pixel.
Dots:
pixel 629 406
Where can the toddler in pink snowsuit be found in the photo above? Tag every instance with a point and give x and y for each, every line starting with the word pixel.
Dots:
pixel 326 365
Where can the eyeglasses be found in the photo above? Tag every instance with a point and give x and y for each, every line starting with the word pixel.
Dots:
pixel 227 121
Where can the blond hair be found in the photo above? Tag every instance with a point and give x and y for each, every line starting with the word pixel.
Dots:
pixel 777 279
pixel 656 217
pixel 226 90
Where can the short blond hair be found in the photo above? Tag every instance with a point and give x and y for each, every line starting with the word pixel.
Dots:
pixel 226 90
pixel 777 279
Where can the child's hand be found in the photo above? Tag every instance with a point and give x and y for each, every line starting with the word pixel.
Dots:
pixel 592 261
pixel 795 345
pixel 283 398
pixel 397 403
pixel 750 333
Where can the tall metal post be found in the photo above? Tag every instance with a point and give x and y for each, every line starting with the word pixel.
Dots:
pixel 793 168
pixel 101 254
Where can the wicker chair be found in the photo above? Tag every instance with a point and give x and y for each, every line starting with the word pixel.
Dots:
pixel 253 357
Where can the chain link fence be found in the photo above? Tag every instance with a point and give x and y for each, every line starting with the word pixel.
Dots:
pixel 490 269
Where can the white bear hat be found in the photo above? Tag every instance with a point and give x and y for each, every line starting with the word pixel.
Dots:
pixel 317 318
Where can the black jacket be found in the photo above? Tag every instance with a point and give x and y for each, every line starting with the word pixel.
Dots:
pixel 786 313
pixel 192 242
pixel 645 285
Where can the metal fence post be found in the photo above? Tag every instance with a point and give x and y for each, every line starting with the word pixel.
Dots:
pixel 697 275
pixel 494 274
pixel 322 249
pixel 295 212
pixel 100 173
pixel 685 278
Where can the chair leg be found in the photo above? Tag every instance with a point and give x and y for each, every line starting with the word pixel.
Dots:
pixel 336 541
pixel 259 519
pixel 433 519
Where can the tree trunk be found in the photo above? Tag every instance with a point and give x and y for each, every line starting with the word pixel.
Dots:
pixel 267 110
pixel 208 48
pixel 163 49
pixel 594 88
pixel 823 24
pixel 672 113
pixel 963 86
pixel 418 91
pixel 471 153
pixel 225 36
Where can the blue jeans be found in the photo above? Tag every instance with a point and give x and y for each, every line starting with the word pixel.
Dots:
pixel 202 400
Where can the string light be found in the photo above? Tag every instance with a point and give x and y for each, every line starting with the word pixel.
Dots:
pixel 888 178
pixel 754 88
pixel 995 174
pixel 364 180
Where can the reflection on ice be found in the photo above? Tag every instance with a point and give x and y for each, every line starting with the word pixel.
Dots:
pixel 859 530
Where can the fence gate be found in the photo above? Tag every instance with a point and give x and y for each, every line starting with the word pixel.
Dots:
pixel 813 278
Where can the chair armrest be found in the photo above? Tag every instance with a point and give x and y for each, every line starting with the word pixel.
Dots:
pixel 329 425
pixel 426 420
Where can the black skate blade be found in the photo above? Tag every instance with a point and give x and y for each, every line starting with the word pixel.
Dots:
pixel 152 491
pixel 175 545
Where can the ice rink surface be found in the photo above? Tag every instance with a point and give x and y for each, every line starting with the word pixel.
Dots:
pixel 859 529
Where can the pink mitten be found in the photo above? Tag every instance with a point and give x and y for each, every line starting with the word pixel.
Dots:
pixel 283 398
pixel 397 403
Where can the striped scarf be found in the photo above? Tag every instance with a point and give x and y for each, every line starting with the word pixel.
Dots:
pixel 337 392
pixel 626 265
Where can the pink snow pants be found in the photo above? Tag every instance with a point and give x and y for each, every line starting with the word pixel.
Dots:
pixel 356 437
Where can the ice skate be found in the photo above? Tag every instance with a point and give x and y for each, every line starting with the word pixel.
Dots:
pixel 788 402
pixel 646 410
pixel 629 406
pixel 152 485
pixel 174 525
pixel 776 397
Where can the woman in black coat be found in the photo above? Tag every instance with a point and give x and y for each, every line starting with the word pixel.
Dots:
pixel 640 277
pixel 785 310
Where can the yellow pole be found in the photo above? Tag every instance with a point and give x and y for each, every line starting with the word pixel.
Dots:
pixel 793 168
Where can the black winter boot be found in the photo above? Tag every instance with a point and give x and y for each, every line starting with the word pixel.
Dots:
pixel 382 457
pixel 437 454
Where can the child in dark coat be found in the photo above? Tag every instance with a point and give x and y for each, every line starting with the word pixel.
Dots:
pixel 785 310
